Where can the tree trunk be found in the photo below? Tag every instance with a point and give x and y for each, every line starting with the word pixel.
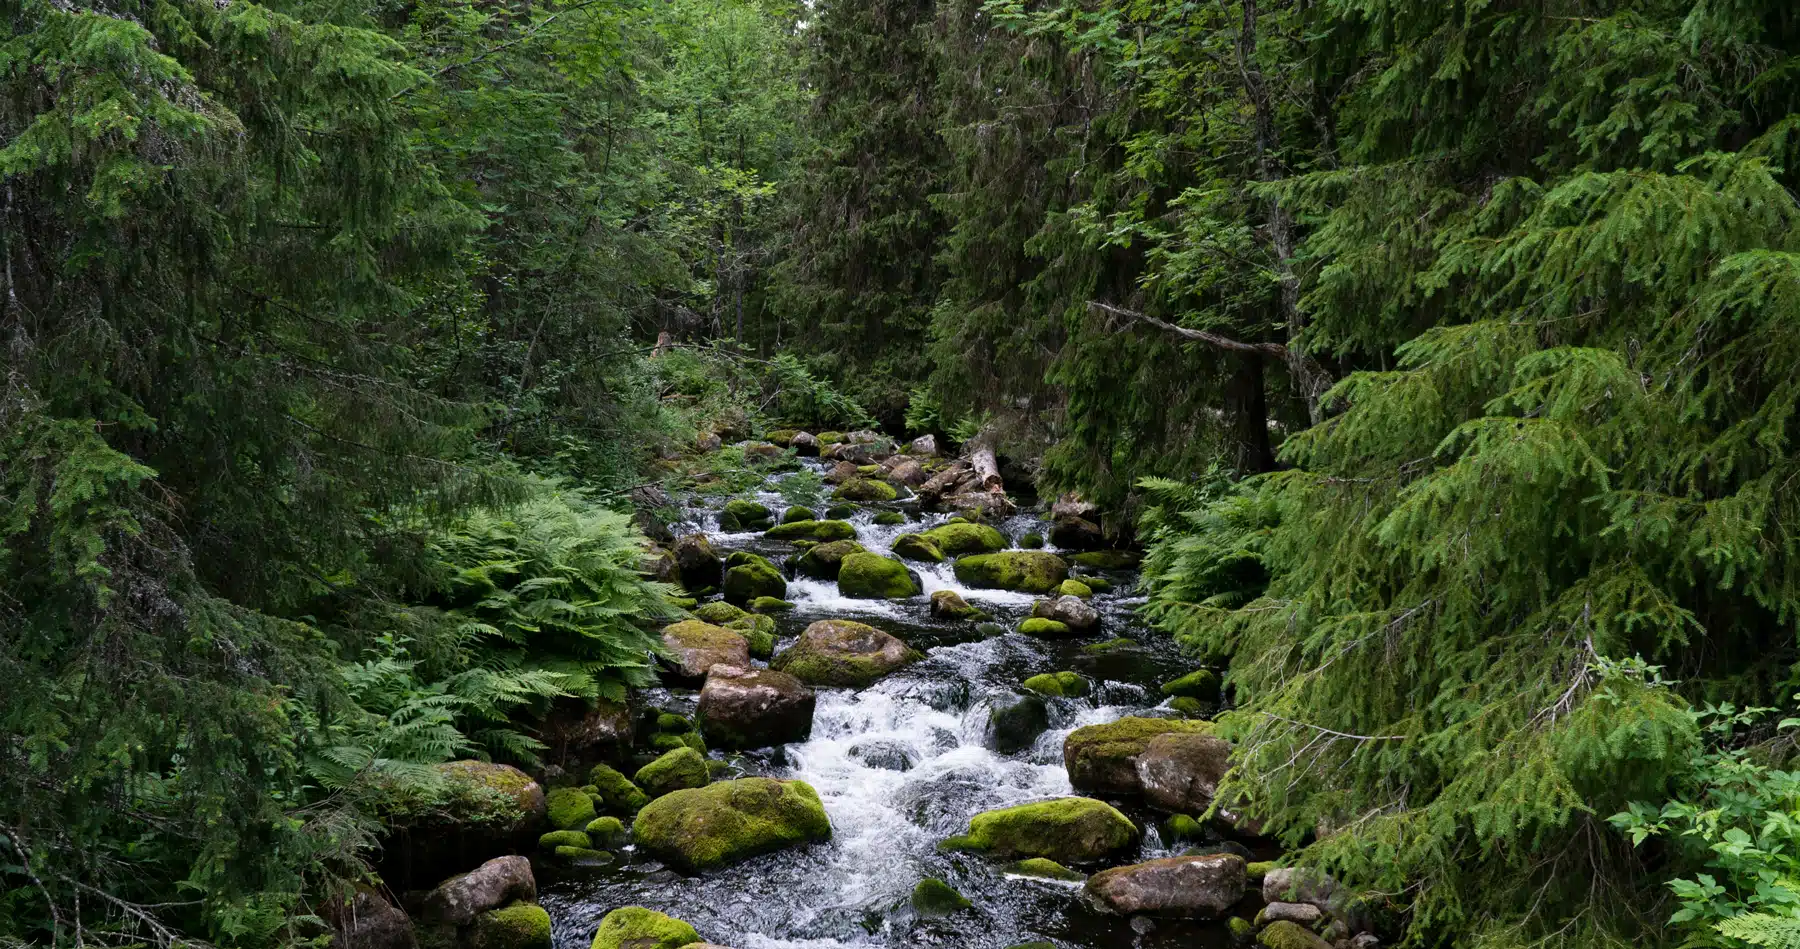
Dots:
pixel 1247 409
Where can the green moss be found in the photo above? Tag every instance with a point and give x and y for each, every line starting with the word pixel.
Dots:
pixel 841 512
pixel 797 513
pixel 1046 870
pixel 681 602
pixel 872 576
pixel 634 927
pixel 830 438
pixel 606 831
pixel 753 577
pixel 781 436
pixel 1107 559
pixel 934 897
pixel 619 795
pixel 1200 684
pixel 570 808
pixel 718 613
pixel 724 823
pixel 1286 934
pixel 959 539
pixel 868 471
pixel 678 769
pixel 1031 571
pixel 824 561
pixel 890 518
pixel 519 926
pixel 1111 645
pixel 1183 827
pixel 673 724
pixel 1074 587
pixel 822 531
pixel 1125 737
pixel 1045 628
pixel 771 604
pixel 564 838
pixel 1058 684
pixel 1067 830
pixel 1186 705
pixel 916 547
pixel 586 855
pixel 1032 541
pixel 865 489
pixel 1260 868
pixel 694 741
pixel 741 515
pixel 1097 584
pixel 662 743
pixel 1242 930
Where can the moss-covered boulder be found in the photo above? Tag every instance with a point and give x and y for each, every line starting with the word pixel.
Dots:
pixel 1045 628
pixel 965 538
pixel 1102 759
pixel 675 771
pixel 564 838
pixel 916 547
pixel 741 515
pixel 718 613
pixel 797 513
pixel 495 797
pixel 697 563
pixel 751 578
pixel 933 898
pixel 755 708
pixel 519 926
pixel 948 604
pixel 1030 571
pixel 824 561
pixel 865 490
pixel 1073 587
pixel 1058 684
pixel 634 927
pixel 1071 611
pixel 771 604
pixel 606 832
pixel 841 512
pixel 724 823
pixel 1016 721
pixel 1107 559
pixel 1032 541
pixel 781 436
pixel 843 653
pixel 1286 934
pixel 759 631
pixel 569 808
pixel 694 647
pixel 1067 830
pixel 821 531
pixel 616 792
pixel 1202 684
pixel 1043 869
pixel 1202 887
pixel 871 576
pixel 889 518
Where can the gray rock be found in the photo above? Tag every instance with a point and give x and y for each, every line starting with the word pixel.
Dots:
pixel 458 900
pixel 1365 941
pixel 1299 885
pixel 1303 913
pixel 369 921
pixel 1017 721
pixel 805 443
pixel 754 708
pixel 695 647
pixel 925 446
pixel 698 563
pixel 1072 611
pixel 1186 887
pixel 1180 771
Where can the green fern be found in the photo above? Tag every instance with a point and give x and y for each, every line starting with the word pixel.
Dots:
pixel 1763 929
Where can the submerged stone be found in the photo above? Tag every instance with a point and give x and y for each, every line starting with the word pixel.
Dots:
pixel 1016 722
pixel 724 823
pixel 933 897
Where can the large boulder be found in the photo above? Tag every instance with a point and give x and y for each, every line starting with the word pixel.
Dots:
pixel 843 653
pixel 1102 759
pixel 1187 887
pixel 723 823
pixel 1066 830
pixel 1180 771
pixel 519 926
pixel 496 883
pixel 959 539
pixel 948 604
pixel 908 472
pixel 695 647
pixel 824 561
pixel 1071 611
pixel 1030 571
pixel 485 810
pixel 865 490
pixel 750 576
pixel 697 562
pixel 368 920
pixel 754 708
pixel 634 927
pixel 742 515
pixel 1016 721
pixel 1077 533
pixel 871 576
pixel 676 770
pixel 822 531
pixel 916 547
pixel 841 472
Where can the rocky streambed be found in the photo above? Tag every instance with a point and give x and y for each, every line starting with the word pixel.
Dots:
pixel 903 716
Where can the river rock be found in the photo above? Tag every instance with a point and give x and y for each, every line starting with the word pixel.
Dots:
pixel 750 576
pixel 1289 935
pixel 925 446
pixel 1102 759
pixel 864 490
pixel 676 770
pixel 884 754
pixel 870 576
pixel 959 539
pixel 708 441
pixel 908 472
pixel 634 927
pixel 458 900
pixel 843 653
pixel 916 547
pixel 804 444
pixel 824 561
pixel 1180 771
pixel 948 604
pixel 744 708
pixel 1077 533
pixel 699 565
pixel 1299 885
pixel 1071 611
pixel 519 926
pixel 840 473
pixel 1202 684
pixel 1184 887
pixel 743 515
pixel 696 647
pixel 822 531
pixel 724 823
pixel 569 808
pixel 1029 571
pixel 1066 830
pixel 1303 913
pixel 1057 684
pixel 1016 721
pixel 616 792
pixel 933 898
pixel 368 920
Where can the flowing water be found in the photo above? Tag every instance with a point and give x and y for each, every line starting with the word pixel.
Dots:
pixel 900 766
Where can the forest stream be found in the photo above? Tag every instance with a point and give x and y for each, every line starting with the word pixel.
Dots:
pixel 904 764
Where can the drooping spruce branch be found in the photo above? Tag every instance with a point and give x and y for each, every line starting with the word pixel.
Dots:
pixel 1311 377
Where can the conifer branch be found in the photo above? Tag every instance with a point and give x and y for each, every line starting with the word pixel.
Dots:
pixel 1201 336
